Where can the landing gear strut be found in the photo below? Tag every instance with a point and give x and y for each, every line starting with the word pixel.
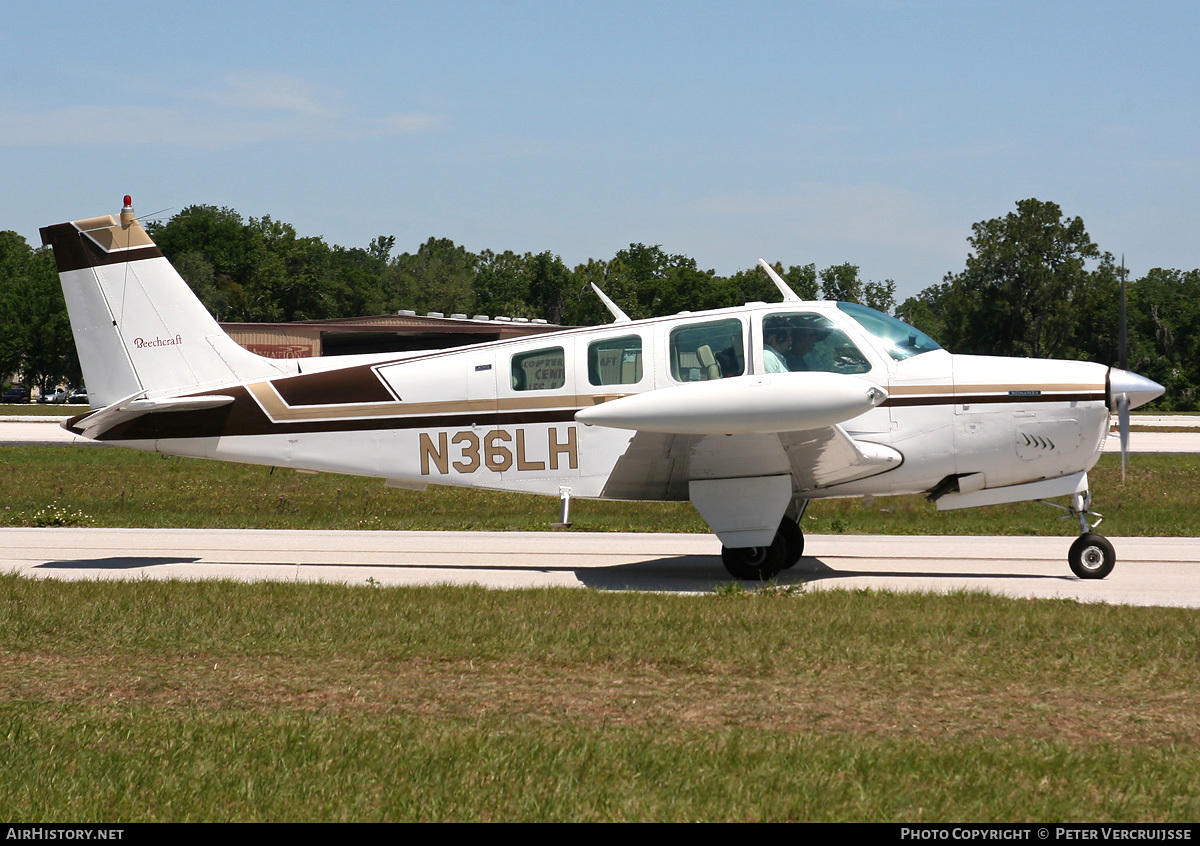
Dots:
pixel 760 563
pixel 1091 555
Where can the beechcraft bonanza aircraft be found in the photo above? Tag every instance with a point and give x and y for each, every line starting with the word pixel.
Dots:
pixel 749 413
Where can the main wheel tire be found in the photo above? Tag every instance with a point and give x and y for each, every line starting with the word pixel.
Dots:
pixel 793 539
pixel 756 563
pixel 1092 556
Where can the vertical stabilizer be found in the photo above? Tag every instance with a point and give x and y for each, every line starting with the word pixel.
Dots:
pixel 138 327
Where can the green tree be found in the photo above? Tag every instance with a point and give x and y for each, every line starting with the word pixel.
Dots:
pixel 800 278
pixel 840 282
pixel 1164 334
pixel 549 286
pixel 502 285
pixel 439 276
pixel 924 311
pixel 35 335
pixel 221 258
pixel 880 296
pixel 585 308
pixel 1018 293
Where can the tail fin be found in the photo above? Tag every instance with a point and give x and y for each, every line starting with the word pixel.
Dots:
pixel 138 328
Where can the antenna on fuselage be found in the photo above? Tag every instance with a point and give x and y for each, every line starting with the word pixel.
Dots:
pixel 618 315
pixel 784 288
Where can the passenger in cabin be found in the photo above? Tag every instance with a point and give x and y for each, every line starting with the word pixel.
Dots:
pixel 804 338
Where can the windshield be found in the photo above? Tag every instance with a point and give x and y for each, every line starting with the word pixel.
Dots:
pixel 899 339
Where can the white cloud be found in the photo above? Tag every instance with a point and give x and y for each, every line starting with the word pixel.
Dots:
pixel 266 91
pixel 245 108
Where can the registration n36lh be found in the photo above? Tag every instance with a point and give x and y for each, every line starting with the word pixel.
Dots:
pixel 499 450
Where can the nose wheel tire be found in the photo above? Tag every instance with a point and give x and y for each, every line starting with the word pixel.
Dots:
pixel 1091 556
pixel 756 563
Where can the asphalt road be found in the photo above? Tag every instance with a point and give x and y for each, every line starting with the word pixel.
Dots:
pixel 1150 571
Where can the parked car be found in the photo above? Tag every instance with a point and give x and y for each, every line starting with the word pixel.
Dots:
pixel 55 397
pixel 17 393
pixel 78 397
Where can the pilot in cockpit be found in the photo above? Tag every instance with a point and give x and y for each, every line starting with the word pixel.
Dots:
pixel 776 343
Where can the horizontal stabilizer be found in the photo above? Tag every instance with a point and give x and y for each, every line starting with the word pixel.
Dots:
pixel 128 409
pixel 774 402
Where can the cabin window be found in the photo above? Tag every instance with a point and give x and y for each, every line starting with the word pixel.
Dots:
pixel 806 341
pixel 615 361
pixel 543 370
pixel 704 351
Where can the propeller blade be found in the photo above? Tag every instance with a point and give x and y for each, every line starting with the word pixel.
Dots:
pixel 1123 428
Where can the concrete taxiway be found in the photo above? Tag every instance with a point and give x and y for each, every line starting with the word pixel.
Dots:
pixel 1150 571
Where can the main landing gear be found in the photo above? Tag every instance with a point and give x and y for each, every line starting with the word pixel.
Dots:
pixel 761 563
pixel 1091 555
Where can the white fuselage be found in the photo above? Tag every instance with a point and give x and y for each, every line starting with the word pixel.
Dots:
pixel 501 415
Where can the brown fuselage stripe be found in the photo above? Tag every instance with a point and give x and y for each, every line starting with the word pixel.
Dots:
pixel 280 412
pixel 334 387
pixel 981 399
pixel 245 417
pixel 1001 389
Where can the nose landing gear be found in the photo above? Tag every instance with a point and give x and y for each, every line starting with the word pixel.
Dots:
pixel 1091 555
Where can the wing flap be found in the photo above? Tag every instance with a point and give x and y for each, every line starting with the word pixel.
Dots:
pixel 660 466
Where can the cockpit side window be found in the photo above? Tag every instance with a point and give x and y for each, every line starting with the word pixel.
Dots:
pixel 799 341
pixel 704 351
pixel 897 338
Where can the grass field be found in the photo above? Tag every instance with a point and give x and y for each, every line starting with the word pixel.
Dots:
pixel 173 701
pixel 36 409
pixel 218 701
pixel 117 487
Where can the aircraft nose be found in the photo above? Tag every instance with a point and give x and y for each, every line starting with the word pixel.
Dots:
pixel 1138 389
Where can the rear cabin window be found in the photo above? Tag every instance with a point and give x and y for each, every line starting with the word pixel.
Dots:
pixel 704 351
pixel 615 361
pixel 543 370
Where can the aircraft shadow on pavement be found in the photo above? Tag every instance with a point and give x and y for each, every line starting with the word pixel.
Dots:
pixel 115 563
pixel 688 574
pixel 814 570
pixel 675 573
pixel 691 573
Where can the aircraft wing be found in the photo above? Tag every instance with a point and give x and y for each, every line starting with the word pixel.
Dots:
pixel 743 427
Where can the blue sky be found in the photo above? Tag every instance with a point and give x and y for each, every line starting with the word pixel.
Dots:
pixel 865 131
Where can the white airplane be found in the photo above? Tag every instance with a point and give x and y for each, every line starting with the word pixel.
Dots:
pixel 750 413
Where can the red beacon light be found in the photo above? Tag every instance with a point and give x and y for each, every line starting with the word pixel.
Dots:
pixel 127 216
